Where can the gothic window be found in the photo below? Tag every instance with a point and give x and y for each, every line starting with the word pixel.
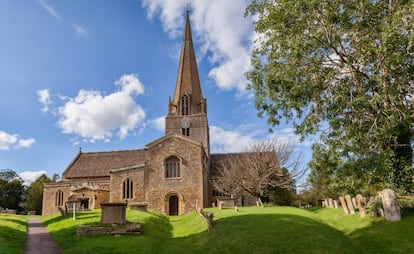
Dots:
pixel 185 105
pixel 59 198
pixel 185 131
pixel 127 189
pixel 172 167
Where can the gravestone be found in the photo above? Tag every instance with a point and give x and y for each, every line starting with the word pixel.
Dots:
pixel 330 203
pixel 350 204
pixel 390 205
pixel 335 203
pixel 361 205
pixel 113 213
pixel 344 205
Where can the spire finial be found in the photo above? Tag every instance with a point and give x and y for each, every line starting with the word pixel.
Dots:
pixel 188 6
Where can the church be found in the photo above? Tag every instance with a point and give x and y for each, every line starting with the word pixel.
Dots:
pixel 171 175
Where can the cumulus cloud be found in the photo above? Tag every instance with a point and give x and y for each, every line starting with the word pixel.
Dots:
pixel 229 141
pixel 94 116
pixel 79 31
pixel 9 141
pixel 238 139
pixel 158 123
pixel 225 35
pixel 44 99
pixel 31 176
pixel 49 9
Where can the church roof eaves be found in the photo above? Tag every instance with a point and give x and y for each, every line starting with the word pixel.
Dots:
pixel 170 135
pixel 98 164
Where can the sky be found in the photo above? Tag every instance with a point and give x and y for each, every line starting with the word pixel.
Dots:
pixel 96 75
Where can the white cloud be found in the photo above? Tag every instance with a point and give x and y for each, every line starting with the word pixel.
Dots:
pixel 93 116
pixel 49 9
pixel 158 123
pixel 44 99
pixel 25 143
pixel 238 139
pixel 8 141
pixel 79 31
pixel 225 35
pixel 31 176
pixel 227 141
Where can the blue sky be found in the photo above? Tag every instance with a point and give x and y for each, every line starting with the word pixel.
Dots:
pixel 97 74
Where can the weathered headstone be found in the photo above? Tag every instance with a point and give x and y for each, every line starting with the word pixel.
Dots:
pixel 330 203
pixel 335 203
pixel 350 204
pixel 113 213
pixel 354 202
pixel 390 205
pixel 344 205
pixel 361 205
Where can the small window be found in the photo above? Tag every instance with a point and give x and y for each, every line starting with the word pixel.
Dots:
pixel 185 105
pixel 172 167
pixel 59 198
pixel 127 189
pixel 185 131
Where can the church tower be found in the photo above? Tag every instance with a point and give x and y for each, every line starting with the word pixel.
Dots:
pixel 187 111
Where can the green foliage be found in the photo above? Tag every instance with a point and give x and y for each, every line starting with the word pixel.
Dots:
pixel 345 70
pixel 12 233
pixel 34 197
pixel 11 190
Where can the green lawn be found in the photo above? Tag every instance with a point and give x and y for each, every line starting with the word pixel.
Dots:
pixel 252 230
pixel 12 233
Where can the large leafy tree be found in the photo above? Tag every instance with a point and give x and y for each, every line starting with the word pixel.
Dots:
pixel 341 68
pixel 34 196
pixel 11 189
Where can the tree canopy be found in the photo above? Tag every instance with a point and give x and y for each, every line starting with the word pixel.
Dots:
pixel 340 69
pixel 11 189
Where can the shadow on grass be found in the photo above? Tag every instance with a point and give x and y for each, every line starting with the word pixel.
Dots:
pixel 12 240
pixel 388 237
pixel 265 233
pixel 244 233
pixel 155 229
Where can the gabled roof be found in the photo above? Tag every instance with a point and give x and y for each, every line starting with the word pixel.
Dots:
pixel 173 135
pixel 98 164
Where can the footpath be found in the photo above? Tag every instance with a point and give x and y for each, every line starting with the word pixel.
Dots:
pixel 38 239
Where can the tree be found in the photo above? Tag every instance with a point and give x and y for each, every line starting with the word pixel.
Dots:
pixel 262 166
pixel 34 196
pixel 341 68
pixel 11 189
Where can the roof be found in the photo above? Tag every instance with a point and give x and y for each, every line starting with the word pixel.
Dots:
pixel 98 164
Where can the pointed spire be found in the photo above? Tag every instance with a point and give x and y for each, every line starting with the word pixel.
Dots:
pixel 188 82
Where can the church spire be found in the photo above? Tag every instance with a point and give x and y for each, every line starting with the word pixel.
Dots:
pixel 188 98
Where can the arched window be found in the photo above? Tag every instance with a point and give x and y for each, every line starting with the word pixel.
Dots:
pixel 127 189
pixel 172 167
pixel 185 105
pixel 59 198
pixel 185 131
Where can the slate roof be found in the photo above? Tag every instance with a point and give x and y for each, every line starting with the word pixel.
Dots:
pixel 98 164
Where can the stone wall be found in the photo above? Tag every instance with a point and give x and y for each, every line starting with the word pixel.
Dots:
pixel 189 187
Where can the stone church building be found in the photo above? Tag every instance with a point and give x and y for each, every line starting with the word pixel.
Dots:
pixel 171 175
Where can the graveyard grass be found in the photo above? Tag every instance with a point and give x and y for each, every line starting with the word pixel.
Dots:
pixel 251 230
pixel 12 233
